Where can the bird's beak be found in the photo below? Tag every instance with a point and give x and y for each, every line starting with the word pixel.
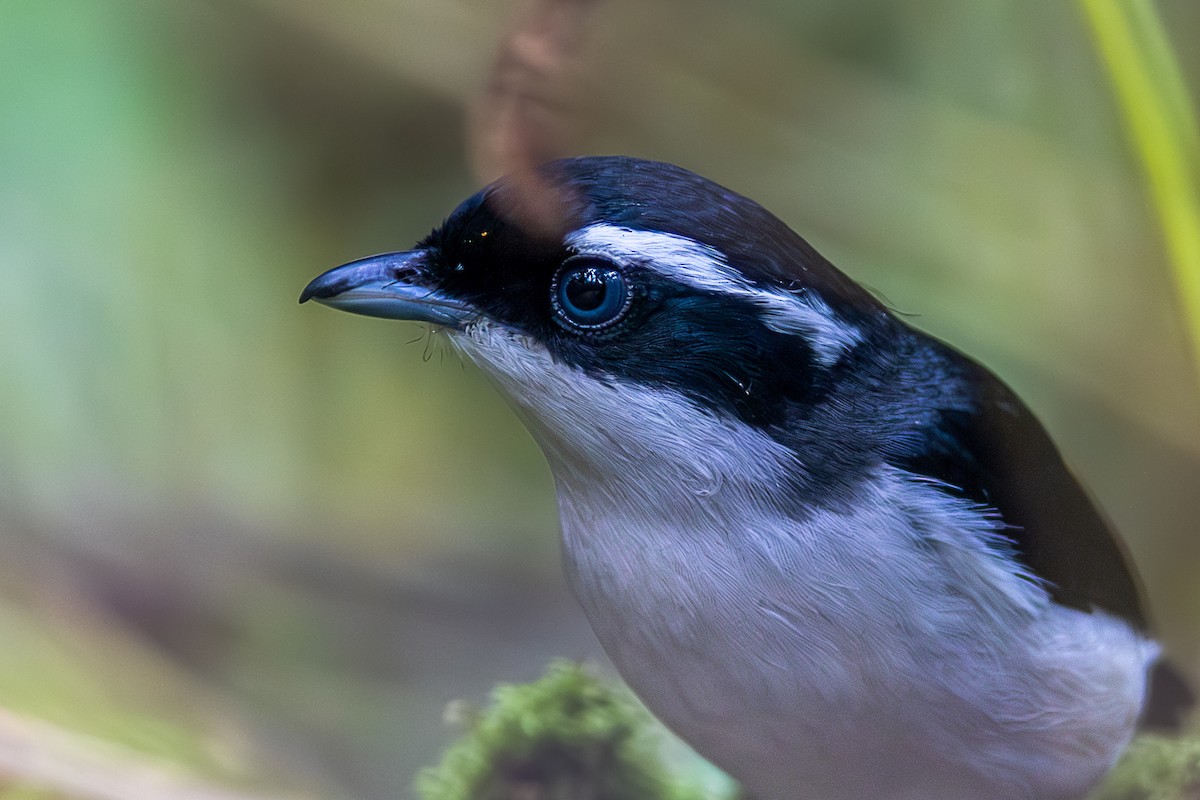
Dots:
pixel 389 286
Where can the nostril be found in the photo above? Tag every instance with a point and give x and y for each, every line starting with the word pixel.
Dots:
pixel 404 274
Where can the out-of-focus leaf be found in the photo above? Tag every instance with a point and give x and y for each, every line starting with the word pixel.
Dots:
pixel 1163 125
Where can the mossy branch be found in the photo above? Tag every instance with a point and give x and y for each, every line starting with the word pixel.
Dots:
pixel 1155 768
pixel 567 736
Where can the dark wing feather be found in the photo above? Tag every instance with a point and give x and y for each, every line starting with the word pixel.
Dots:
pixel 992 450
pixel 1169 700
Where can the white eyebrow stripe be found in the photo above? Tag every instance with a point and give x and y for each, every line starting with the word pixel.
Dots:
pixel 706 268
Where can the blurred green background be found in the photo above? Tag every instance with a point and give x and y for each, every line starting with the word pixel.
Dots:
pixel 271 541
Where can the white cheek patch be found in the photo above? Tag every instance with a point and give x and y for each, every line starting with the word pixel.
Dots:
pixel 705 268
pixel 587 425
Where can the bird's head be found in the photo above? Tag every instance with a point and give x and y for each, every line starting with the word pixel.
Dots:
pixel 632 306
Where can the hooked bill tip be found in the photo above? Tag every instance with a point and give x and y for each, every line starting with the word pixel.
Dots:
pixel 325 285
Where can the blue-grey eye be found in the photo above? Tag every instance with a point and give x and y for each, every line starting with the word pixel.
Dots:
pixel 590 294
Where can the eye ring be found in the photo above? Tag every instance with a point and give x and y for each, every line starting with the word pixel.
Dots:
pixel 590 294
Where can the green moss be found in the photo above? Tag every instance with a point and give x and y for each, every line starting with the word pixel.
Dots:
pixel 564 736
pixel 1155 768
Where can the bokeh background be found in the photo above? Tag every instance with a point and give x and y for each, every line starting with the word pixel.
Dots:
pixel 271 542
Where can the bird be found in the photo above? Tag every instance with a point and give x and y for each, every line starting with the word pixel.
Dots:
pixel 835 555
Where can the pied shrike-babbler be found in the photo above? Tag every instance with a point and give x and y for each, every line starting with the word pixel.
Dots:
pixel 835 555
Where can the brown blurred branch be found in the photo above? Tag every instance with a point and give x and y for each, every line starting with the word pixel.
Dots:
pixel 40 755
pixel 530 113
